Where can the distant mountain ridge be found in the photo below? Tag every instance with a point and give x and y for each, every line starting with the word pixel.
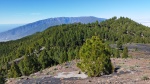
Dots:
pixel 6 27
pixel 41 25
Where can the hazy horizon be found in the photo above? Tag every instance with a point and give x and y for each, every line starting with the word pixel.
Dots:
pixel 6 27
pixel 28 11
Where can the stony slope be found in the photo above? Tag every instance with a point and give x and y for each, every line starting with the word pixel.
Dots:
pixel 130 71
pixel 134 70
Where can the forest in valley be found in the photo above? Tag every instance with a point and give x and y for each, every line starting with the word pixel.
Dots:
pixel 61 43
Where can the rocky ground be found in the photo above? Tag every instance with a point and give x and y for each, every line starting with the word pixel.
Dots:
pixel 134 70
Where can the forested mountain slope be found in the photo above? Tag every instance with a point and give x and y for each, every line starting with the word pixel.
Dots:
pixel 61 43
pixel 41 25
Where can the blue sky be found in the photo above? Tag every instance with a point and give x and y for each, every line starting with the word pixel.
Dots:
pixel 26 11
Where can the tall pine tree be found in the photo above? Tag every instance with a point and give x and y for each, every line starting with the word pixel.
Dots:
pixel 14 71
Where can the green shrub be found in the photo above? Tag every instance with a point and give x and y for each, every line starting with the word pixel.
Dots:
pixel 95 57
pixel 125 53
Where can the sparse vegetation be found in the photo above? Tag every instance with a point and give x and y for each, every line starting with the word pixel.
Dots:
pixel 145 78
pixel 136 49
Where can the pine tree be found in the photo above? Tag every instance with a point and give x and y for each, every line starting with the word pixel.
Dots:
pixel 117 54
pixel 125 53
pixel 44 59
pixel 14 71
pixel 21 67
pixel 28 65
pixel 95 57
